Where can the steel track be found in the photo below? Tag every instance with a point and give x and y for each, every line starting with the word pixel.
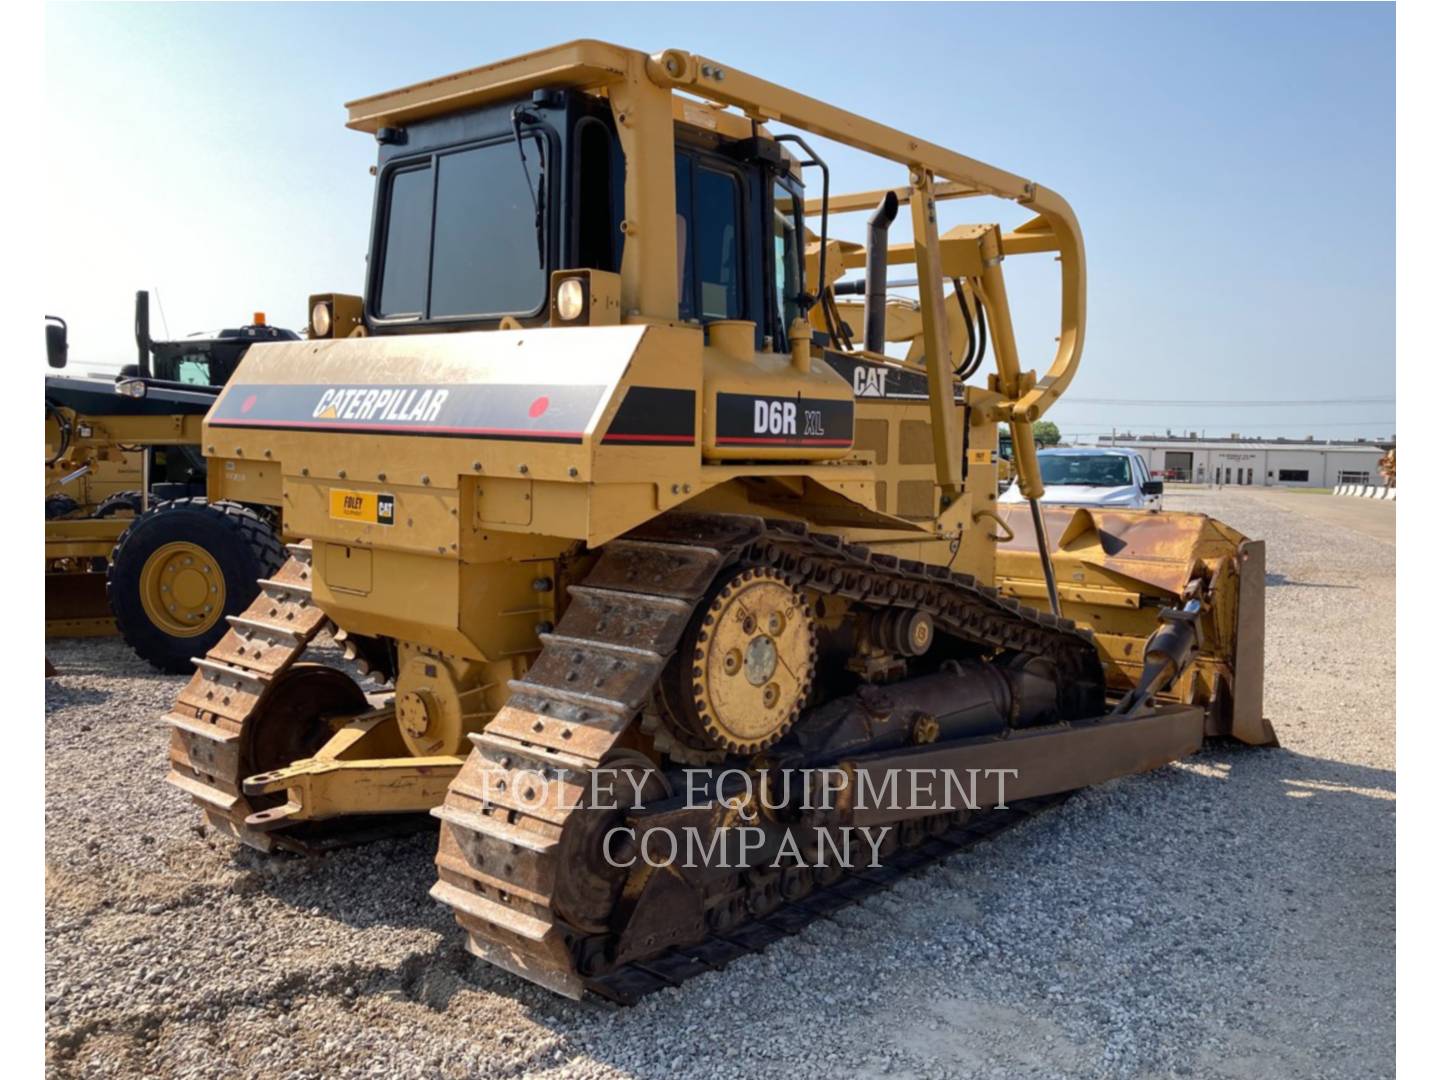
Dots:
pixel 507 865
pixel 628 984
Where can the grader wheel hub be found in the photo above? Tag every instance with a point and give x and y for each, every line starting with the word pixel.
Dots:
pixel 182 589
pixel 754 660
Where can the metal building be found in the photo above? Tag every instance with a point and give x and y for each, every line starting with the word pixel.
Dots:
pixel 1307 462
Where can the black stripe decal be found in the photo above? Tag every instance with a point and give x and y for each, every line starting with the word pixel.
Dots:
pixel 654 416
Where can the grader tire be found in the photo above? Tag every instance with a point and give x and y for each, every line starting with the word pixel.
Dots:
pixel 179 569
pixel 130 503
pixel 59 506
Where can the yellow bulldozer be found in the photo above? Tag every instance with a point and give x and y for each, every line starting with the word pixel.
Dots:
pixel 623 520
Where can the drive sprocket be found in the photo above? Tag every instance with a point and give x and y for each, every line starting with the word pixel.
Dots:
pixel 751 661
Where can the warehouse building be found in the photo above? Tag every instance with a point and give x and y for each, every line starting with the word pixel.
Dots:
pixel 1306 462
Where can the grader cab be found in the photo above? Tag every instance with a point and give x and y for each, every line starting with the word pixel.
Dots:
pixel 600 477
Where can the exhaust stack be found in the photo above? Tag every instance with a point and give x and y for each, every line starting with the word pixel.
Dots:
pixel 142 331
pixel 876 256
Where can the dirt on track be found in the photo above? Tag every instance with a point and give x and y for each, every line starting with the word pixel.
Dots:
pixel 1229 916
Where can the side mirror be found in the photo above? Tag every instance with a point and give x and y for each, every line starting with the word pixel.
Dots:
pixel 57 341
pixel 1152 487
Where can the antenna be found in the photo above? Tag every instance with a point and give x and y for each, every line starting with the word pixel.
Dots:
pixel 163 322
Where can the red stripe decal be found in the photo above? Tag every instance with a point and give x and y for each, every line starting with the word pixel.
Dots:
pixel 415 429
pixel 688 440
pixel 781 441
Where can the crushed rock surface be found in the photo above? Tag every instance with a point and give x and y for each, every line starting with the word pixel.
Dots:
pixel 1229 916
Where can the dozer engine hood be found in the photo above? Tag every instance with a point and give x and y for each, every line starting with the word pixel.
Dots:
pixel 576 433
pixel 475 385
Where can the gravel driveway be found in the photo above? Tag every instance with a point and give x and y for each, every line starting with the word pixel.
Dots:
pixel 1232 916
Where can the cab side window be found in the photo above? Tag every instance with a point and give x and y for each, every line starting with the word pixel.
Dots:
pixel 709 248
pixel 194 370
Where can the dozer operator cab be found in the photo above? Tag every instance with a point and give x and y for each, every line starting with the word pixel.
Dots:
pixel 475 211
pixel 538 193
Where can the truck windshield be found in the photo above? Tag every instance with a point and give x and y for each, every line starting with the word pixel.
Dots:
pixel 1085 470
pixel 459 235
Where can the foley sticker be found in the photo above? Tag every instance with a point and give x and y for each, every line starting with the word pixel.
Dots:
pixel 373 508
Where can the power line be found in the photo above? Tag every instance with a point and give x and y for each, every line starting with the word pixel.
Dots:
pixel 1219 404
pixel 1210 424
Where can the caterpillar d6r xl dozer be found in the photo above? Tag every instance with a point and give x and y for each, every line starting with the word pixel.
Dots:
pixel 596 486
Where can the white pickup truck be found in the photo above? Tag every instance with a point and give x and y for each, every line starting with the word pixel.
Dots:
pixel 1116 479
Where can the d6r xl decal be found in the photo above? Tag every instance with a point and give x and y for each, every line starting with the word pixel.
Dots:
pixel 756 420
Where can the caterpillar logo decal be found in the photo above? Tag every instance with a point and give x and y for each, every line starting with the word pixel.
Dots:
pixel 375 508
pixel 464 410
pixel 391 403
pixel 883 381
pixel 754 420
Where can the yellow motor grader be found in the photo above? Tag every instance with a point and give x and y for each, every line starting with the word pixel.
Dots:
pixel 131 544
pixel 599 483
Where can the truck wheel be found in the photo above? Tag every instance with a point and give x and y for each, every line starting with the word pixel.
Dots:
pixel 179 569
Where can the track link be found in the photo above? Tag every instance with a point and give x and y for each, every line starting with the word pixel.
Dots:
pixel 503 863
pixel 230 688
pixel 629 983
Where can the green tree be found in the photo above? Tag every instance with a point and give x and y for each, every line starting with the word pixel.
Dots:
pixel 1046 433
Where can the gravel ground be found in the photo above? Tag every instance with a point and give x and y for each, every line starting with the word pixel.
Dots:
pixel 1232 916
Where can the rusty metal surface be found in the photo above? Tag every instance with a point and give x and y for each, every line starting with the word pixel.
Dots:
pixel 1248 722
pixel 1117 569
pixel 218 729
pixel 1154 549
pixel 76 606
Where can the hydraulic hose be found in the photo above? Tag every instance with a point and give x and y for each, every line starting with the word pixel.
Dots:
pixel 963 369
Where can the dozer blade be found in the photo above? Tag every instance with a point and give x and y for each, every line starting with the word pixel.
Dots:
pixel 1117 569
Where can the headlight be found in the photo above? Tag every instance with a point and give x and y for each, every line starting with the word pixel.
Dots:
pixel 570 299
pixel 131 388
pixel 320 322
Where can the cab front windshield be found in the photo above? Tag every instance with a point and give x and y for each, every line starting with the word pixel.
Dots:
pixel 1084 470
pixel 458 238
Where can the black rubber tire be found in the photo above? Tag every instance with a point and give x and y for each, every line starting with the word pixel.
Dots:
pixel 134 501
pixel 243 546
pixel 57 506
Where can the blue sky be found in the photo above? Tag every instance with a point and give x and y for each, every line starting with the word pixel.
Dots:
pixel 1232 166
